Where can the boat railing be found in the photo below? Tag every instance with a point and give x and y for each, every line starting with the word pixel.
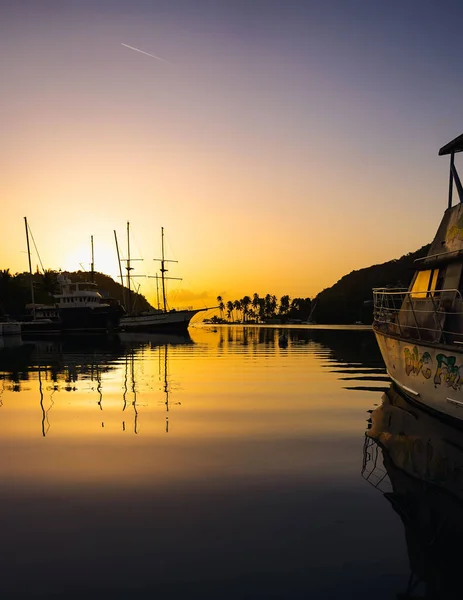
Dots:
pixel 434 316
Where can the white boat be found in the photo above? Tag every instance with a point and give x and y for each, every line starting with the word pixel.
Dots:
pixel 420 330
pixel 78 307
pixel 161 319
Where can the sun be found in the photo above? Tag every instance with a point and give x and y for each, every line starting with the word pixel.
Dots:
pixel 79 258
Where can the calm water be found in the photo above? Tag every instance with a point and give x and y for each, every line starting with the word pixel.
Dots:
pixel 218 465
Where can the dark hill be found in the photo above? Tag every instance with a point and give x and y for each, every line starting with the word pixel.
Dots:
pixel 351 299
pixel 15 292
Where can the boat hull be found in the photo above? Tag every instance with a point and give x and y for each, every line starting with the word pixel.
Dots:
pixel 174 321
pixel 40 327
pixel 429 374
pixel 100 319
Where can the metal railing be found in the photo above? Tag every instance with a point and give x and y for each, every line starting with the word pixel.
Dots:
pixel 435 316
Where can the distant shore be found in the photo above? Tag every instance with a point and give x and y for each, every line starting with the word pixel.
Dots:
pixel 353 326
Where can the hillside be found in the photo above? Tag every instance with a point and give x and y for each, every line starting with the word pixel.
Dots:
pixel 15 292
pixel 351 299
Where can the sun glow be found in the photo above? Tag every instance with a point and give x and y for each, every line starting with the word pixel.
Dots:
pixel 79 258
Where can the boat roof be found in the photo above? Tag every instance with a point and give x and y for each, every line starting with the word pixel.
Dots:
pixel 454 146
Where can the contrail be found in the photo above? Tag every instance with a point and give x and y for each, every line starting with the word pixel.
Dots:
pixel 143 52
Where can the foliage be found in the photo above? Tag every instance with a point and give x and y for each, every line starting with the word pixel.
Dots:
pixel 16 293
pixel 263 310
pixel 347 301
pixel 351 299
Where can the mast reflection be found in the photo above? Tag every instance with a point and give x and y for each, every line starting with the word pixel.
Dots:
pixel 416 460
pixel 60 366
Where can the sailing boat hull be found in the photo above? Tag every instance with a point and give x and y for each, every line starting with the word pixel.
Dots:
pixel 173 321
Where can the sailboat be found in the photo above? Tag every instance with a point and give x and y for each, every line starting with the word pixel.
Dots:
pixel 160 319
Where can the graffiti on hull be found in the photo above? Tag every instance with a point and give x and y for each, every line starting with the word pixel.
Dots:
pixel 444 369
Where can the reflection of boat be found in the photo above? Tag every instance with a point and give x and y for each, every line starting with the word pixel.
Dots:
pixel 155 339
pixel 160 319
pixel 423 463
pixel 420 330
pixel 62 359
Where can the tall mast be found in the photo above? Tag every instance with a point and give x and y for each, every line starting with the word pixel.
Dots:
pixel 128 267
pixel 157 290
pixel 92 267
pixel 163 270
pixel 120 268
pixel 30 268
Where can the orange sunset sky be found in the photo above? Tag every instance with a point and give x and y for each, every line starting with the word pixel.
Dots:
pixel 280 144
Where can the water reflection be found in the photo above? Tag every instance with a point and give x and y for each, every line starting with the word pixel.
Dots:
pixel 416 460
pixel 54 366
pixel 217 466
pixel 121 375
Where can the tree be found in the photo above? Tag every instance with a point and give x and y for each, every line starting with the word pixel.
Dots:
pixel 245 302
pixel 221 305
pixel 237 305
pixel 229 309
pixel 49 281
pixel 284 304
pixel 5 284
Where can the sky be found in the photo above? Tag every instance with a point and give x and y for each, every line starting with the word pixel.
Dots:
pixel 281 144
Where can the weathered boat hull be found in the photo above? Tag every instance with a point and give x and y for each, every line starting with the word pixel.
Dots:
pixel 173 321
pixel 429 374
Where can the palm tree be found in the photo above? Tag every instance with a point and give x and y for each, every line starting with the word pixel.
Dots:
pixel 245 302
pixel 221 306
pixel 261 309
pixel 284 304
pixel 255 303
pixel 229 309
pixel 273 304
pixel 237 305
pixel 267 305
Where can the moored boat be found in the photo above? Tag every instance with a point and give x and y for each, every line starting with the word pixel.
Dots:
pixel 78 307
pixel 160 319
pixel 420 330
pixel 82 309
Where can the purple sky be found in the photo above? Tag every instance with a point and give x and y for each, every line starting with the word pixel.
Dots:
pixel 282 144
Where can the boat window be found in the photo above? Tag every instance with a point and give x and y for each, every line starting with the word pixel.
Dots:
pixel 427 283
pixel 421 284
